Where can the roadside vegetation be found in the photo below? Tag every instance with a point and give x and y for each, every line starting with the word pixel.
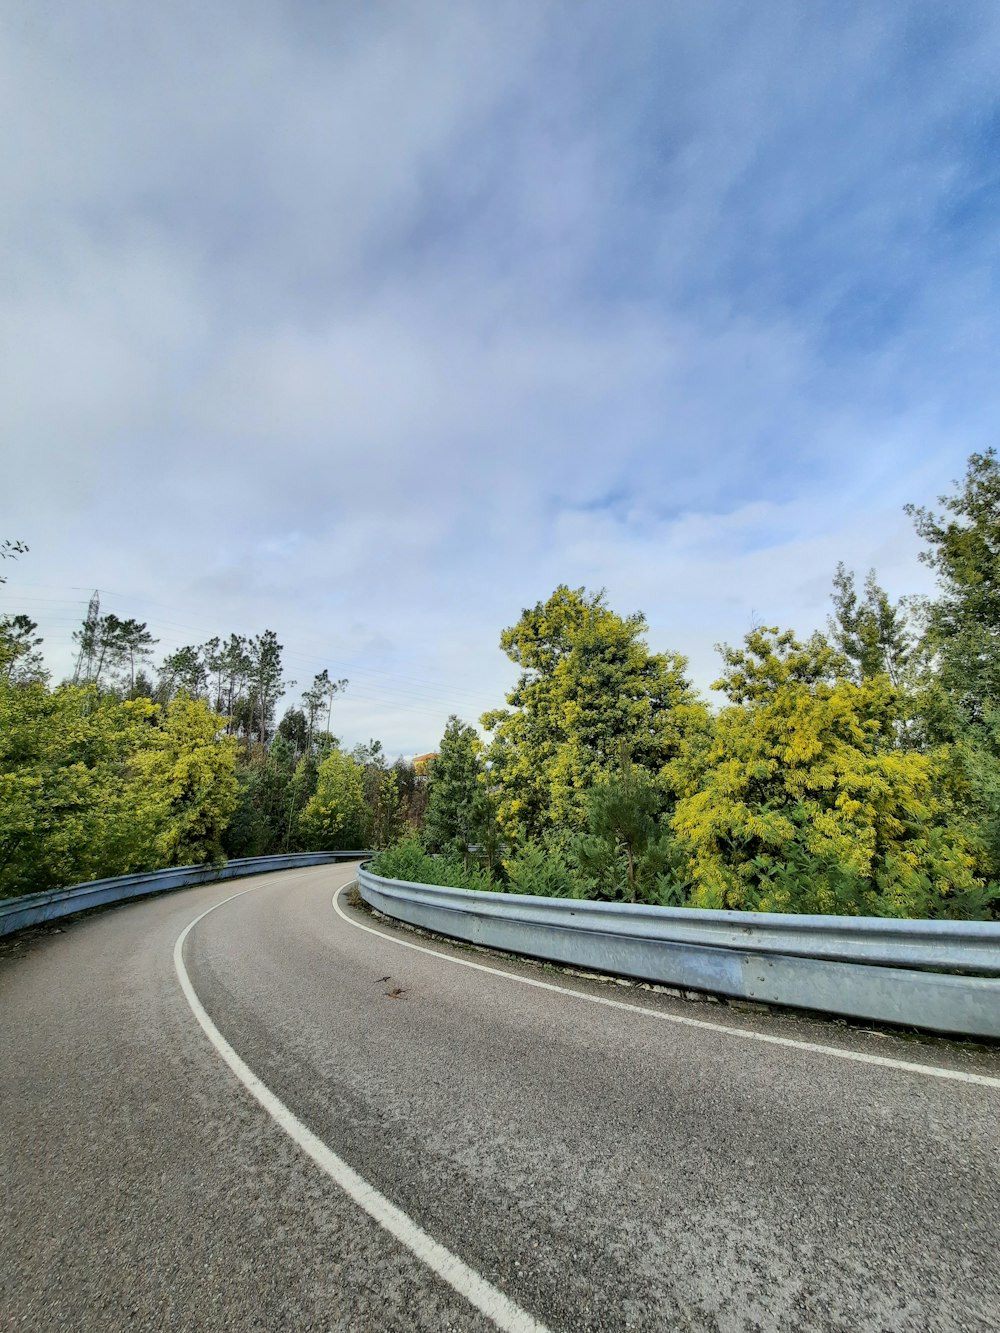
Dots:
pixel 126 767
pixel 851 771
pixel 854 771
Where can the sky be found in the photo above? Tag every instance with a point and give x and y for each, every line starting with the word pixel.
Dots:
pixel 372 324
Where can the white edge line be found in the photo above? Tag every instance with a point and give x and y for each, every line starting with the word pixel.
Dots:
pixel 504 1312
pixel 932 1071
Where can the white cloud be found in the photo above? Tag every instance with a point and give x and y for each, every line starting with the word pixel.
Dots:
pixel 373 325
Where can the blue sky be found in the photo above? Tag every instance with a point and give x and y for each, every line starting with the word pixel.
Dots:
pixel 373 324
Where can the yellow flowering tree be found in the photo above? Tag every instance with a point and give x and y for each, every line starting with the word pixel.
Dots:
pixel 92 786
pixel 70 806
pixel 190 771
pixel 588 683
pixel 805 802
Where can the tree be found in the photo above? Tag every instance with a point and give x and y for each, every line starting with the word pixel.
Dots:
pixel 228 664
pixel 108 643
pixel 384 814
pixel 185 669
pixel 959 699
pixel 20 659
pixel 294 728
pixel 145 689
pixel 588 682
pixel 870 632
pixel 319 699
pixel 412 789
pixel 260 822
pixel 963 622
pixel 192 770
pixel 74 803
pixel 335 818
pixel 806 804
pixel 624 809
pixel 453 819
pixel 301 789
pixel 265 680
pixel 135 645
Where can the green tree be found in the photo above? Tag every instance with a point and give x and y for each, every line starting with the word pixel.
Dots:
pixel 455 815
pixel 959 699
pixel 20 656
pixel 317 702
pixel 294 728
pixel 229 666
pixel 963 621
pixel 265 681
pixel 588 682
pixel 412 789
pixel 135 646
pixel 259 824
pixel 626 852
pixel 336 816
pixel 870 631
pixel 185 669
pixel 301 789
pixel 110 644
pixel 384 812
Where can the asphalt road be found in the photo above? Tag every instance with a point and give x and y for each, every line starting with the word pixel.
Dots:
pixel 600 1168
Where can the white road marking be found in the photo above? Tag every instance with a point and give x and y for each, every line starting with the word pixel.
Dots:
pixel 931 1071
pixel 504 1312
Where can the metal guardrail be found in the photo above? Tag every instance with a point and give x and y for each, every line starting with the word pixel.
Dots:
pixel 35 908
pixel 939 975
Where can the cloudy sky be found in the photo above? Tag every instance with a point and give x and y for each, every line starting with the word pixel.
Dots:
pixel 373 323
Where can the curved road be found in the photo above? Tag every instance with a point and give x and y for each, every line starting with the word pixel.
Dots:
pixel 559 1163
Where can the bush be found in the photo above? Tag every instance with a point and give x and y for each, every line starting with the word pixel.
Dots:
pixel 409 859
pixel 543 869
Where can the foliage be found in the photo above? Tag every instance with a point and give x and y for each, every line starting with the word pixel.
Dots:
pixel 454 818
pixel 871 632
pixel 384 818
pixel 335 816
pixel 412 789
pixel 228 667
pixel 543 867
pixel 408 859
pixel 806 765
pixel 318 702
pixel 71 808
pixel 964 621
pixel 92 786
pixel 185 669
pixel 588 682
pixel 265 685
pixel 20 659
pixel 853 773
pixel 109 644
pixel 190 769
pixel 10 551
pixel 622 809
pixel 294 730
pixel 260 820
pixel 959 696
pixel 627 852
